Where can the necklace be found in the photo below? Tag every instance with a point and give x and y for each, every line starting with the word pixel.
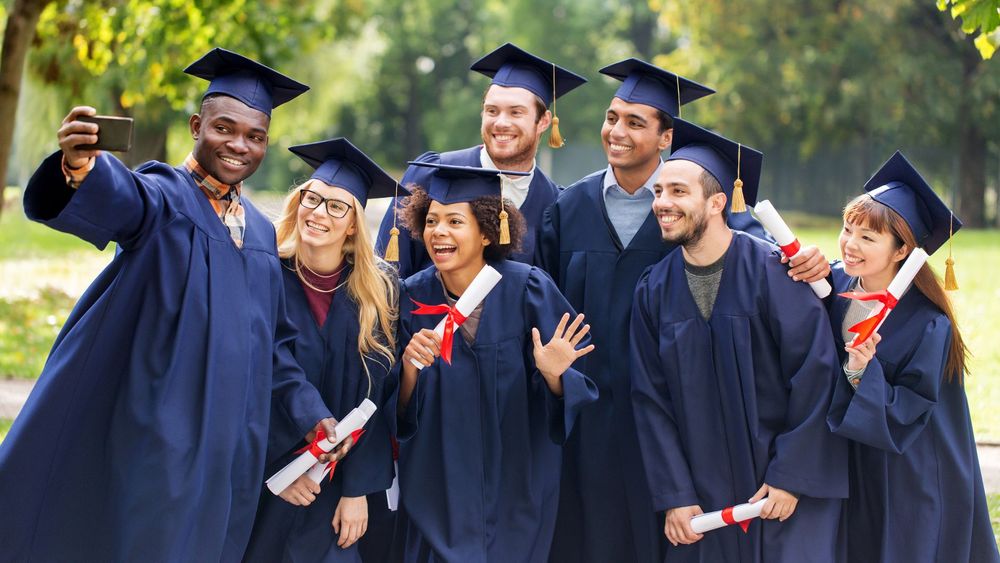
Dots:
pixel 302 278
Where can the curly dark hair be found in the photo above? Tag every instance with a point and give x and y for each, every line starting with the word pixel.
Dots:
pixel 413 214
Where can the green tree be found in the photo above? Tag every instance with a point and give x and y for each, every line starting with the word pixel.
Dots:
pixel 982 16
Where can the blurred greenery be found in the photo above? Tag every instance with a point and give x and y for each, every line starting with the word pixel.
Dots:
pixel 981 17
pixel 21 238
pixel 993 501
pixel 4 427
pixel 30 325
pixel 827 89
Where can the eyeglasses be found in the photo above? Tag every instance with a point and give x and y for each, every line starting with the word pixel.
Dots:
pixel 334 207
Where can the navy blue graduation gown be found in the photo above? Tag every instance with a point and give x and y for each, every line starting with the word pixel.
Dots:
pixel 605 512
pixel 725 405
pixel 413 256
pixel 329 356
pixel 479 440
pixel 916 487
pixel 144 438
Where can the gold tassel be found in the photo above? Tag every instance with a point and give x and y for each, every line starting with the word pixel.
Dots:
pixel 555 138
pixel 392 249
pixel 739 204
pixel 504 228
pixel 950 281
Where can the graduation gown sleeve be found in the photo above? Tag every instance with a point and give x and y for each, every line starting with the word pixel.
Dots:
pixel 808 361
pixel 112 203
pixel 544 307
pixel 890 416
pixel 668 473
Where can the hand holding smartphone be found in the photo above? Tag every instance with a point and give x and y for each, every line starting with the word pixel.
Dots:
pixel 113 133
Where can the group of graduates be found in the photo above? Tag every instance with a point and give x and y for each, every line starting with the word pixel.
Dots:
pixel 649 353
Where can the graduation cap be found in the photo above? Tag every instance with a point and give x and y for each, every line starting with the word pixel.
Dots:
pixel 513 67
pixel 339 163
pixel 899 186
pixel 250 82
pixel 451 183
pixel 650 85
pixel 736 167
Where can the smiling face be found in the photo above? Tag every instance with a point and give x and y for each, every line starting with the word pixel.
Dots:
pixel 230 138
pixel 868 253
pixel 511 127
pixel 317 229
pixel 453 237
pixel 681 207
pixel 631 135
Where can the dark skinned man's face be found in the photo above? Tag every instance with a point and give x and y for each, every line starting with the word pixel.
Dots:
pixel 230 138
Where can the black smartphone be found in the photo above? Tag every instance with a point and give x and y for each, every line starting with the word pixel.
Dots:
pixel 113 133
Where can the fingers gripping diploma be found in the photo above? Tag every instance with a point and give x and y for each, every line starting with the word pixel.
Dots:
pixel 808 266
pixel 423 347
pixel 73 133
pixel 329 426
pixel 554 358
pixel 780 503
pixel 859 356
pixel 678 525
pixel 350 520
pixel 302 492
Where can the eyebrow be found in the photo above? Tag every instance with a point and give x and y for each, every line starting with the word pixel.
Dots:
pixel 229 120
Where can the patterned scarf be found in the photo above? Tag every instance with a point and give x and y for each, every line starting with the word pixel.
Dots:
pixel 225 199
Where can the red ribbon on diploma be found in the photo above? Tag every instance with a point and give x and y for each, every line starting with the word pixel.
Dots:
pixel 727 517
pixel 791 249
pixel 313 448
pixel 455 319
pixel 867 327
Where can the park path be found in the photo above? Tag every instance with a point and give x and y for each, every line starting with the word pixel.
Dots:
pixel 13 393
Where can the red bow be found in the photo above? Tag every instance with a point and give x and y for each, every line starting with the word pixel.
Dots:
pixel 320 435
pixel 867 327
pixel 727 517
pixel 314 447
pixel 455 319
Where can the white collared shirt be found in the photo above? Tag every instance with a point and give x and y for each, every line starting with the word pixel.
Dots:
pixel 515 188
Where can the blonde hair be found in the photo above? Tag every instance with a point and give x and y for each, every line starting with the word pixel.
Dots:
pixel 371 284
pixel 864 210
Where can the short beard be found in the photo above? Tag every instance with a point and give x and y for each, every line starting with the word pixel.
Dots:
pixel 693 237
pixel 521 159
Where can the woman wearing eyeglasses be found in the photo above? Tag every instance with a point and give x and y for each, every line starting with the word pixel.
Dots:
pixel 342 299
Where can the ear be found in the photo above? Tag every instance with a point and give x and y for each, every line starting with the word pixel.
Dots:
pixel 666 138
pixel 195 125
pixel 717 203
pixel 486 242
pixel 900 254
pixel 544 122
pixel 353 228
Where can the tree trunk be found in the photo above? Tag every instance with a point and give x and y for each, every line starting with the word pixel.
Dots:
pixel 21 22
pixel 971 146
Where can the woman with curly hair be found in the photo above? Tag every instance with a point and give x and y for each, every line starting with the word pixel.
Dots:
pixel 342 298
pixel 480 435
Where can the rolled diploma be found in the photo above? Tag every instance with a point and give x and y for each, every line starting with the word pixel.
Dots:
pixel 900 283
pixel 392 493
pixel 353 421
pixel 775 225
pixel 713 520
pixel 481 285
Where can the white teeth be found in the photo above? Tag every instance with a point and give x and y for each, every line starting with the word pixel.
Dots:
pixel 317 227
pixel 503 138
pixel 231 161
pixel 668 219
pixel 620 148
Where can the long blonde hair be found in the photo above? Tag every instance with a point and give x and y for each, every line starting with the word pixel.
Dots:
pixel 371 284
pixel 864 210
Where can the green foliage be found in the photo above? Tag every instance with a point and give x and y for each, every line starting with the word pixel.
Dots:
pixel 30 326
pixel 24 239
pixel 5 424
pixel 993 502
pixel 981 16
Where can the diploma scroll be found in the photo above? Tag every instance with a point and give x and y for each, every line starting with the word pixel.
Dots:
pixel 392 493
pixel 740 514
pixel 775 225
pixel 354 420
pixel 888 297
pixel 481 285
